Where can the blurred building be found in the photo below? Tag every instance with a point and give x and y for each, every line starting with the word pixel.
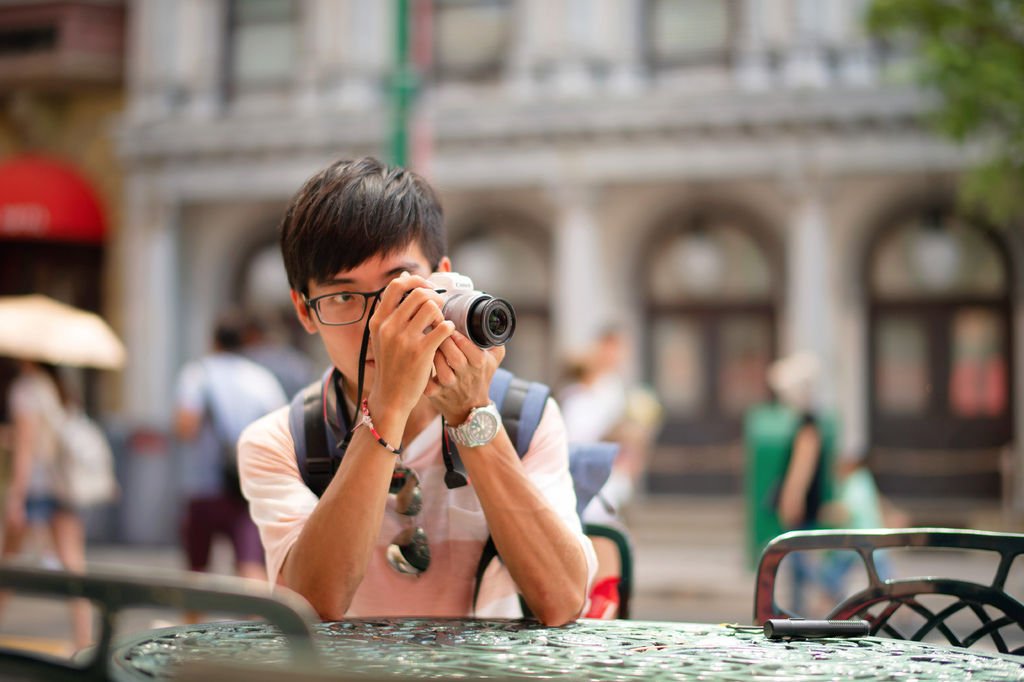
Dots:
pixel 733 180
pixel 61 85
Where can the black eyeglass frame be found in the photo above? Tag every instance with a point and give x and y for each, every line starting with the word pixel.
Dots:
pixel 314 304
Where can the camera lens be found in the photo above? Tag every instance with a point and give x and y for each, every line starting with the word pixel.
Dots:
pixel 492 321
pixel 497 322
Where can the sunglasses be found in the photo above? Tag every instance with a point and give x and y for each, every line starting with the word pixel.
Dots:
pixel 408 552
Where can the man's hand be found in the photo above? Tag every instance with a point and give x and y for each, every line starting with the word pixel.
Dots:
pixel 463 373
pixel 405 331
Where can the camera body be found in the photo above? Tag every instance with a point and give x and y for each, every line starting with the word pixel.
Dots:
pixel 485 319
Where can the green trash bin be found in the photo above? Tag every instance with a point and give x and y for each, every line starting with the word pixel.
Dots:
pixel 768 432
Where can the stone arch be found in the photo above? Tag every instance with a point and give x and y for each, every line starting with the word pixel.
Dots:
pixel 707 351
pixel 940 346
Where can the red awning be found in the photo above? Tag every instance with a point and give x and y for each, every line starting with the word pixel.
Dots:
pixel 47 199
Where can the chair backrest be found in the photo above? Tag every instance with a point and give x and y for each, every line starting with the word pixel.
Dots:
pixel 115 592
pixel 621 540
pixel 998 613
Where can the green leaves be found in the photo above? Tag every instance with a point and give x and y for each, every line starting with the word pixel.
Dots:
pixel 971 53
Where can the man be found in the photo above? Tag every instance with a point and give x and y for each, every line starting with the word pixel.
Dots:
pixel 358 240
pixel 218 396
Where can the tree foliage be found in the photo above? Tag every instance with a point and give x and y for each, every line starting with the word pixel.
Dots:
pixel 970 52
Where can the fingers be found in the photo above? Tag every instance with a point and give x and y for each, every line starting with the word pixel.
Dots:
pixel 443 374
pixel 427 317
pixel 474 354
pixel 408 299
pixel 451 354
pixel 398 287
pixel 436 336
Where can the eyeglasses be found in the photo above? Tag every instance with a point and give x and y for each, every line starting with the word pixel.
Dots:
pixel 341 307
pixel 408 552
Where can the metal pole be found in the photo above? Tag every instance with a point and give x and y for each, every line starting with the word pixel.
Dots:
pixel 403 86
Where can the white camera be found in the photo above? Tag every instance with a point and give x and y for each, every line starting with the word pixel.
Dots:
pixel 487 320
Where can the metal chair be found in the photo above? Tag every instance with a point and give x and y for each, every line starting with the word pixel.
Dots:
pixel 620 538
pixel 113 592
pixel 998 613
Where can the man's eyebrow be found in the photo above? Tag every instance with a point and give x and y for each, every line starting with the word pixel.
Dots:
pixel 410 266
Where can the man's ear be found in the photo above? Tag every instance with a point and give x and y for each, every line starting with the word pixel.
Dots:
pixel 303 312
pixel 445 265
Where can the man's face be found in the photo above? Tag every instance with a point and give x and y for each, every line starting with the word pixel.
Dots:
pixel 342 343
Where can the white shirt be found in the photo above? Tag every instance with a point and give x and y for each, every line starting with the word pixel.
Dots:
pixel 280 504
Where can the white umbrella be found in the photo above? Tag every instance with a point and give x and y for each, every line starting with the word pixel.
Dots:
pixel 36 327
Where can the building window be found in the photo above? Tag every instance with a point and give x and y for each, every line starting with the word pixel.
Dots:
pixel 262 42
pixel 940 335
pixel 711 285
pixel 471 38
pixel 509 259
pixel 687 32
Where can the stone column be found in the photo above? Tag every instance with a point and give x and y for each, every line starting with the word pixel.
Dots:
pixel 811 315
pixel 149 61
pixel 579 298
pixel 313 31
pixel 148 259
pixel 846 32
pixel 356 46
pixel 199 61
pixel 752 72
pixel 574 50
pixel 621 25
pixel 805 64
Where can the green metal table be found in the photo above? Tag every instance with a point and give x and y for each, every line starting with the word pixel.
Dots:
pixel 587 650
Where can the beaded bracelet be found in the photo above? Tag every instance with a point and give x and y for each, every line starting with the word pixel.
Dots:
pixel 368 421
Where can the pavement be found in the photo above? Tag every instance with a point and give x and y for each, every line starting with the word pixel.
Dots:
pixel 689 565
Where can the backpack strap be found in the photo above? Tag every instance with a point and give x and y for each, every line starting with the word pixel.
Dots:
pixel 521 404
pixel 307 422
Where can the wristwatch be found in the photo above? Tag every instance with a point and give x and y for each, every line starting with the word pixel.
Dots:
pixel 479 428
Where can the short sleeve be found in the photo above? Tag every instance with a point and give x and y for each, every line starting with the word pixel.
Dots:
pixel 279 501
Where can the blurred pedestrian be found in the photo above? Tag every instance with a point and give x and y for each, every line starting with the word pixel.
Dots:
pixel 858 504
pixel 799 492
pixel 38 400
pixel 599 405
pixel 218 396
pixel 264 343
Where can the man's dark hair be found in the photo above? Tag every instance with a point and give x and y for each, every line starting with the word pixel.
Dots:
pixel 354 210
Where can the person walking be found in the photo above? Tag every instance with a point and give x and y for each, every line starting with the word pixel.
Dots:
pixel 38 401
pixel 218 396
pixel 798 500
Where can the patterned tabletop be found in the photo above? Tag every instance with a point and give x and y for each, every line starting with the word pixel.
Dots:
pixel 587 650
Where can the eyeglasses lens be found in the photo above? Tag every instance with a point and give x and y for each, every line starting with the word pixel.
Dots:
pixel 341 308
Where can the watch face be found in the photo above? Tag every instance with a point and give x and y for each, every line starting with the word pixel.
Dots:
pixel 482 427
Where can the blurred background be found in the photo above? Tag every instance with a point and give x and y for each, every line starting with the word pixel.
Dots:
pixel 728 181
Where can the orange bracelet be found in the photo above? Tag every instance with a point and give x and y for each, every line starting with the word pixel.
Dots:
pixel 368 421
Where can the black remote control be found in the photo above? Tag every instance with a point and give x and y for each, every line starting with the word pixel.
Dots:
pixel 777 628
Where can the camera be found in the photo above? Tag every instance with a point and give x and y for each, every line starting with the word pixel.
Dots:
pixel 487 320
